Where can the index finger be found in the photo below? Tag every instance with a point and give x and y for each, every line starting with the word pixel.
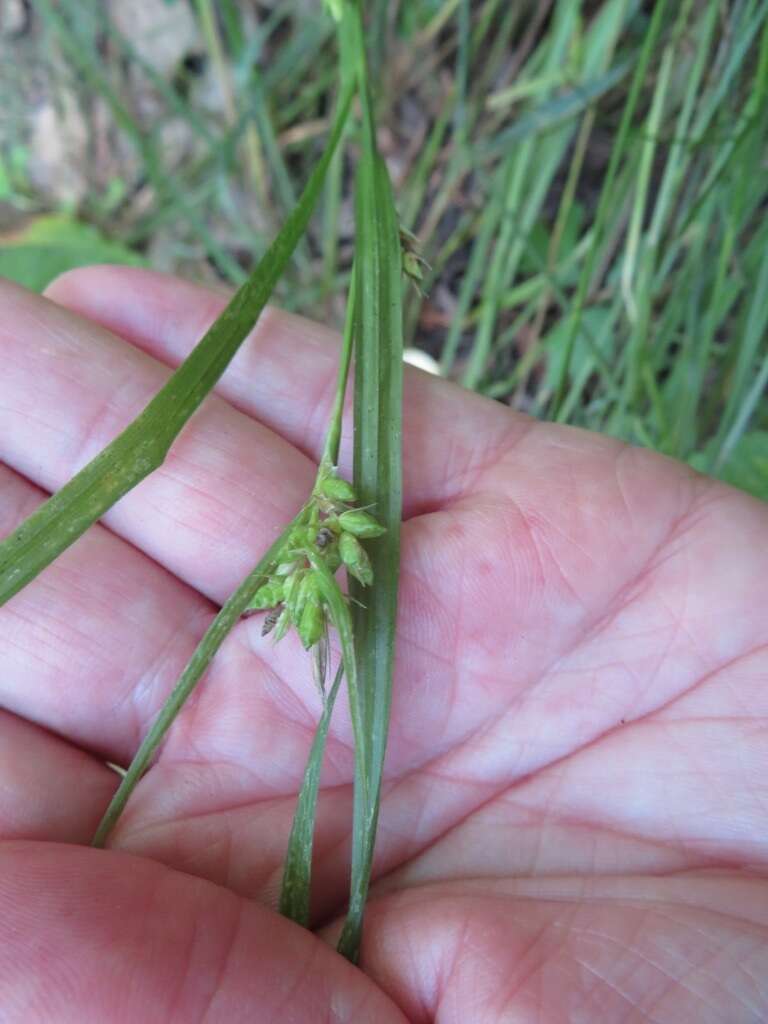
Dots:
pixel 284 375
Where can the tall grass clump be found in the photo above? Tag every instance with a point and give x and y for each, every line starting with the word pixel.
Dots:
pixel 586 179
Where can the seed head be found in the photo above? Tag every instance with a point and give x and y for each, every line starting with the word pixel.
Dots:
pixel 312 622
pixel 412 266
pixel 306 589
pixel 286 568
pixel 413 261
pixel 360 523
pixel 291 589
pixel 298 537
pixel 270 621
pixel 336 489
pixel 323 538
pixel 355 558
pixel 332 559
pixel 282 625
pixel 267 596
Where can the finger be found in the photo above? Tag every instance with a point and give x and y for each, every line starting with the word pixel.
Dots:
pixel 88 936
pixel 285 375
pixel 50 790
pixel 92 646
pixel 68 387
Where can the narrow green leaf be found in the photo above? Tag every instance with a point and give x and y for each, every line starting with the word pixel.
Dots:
pixel 212 640
pixel 143 445
pixel 297 867
pixel 338 609
pixel 378 476
pixel 603 207
pixel 555 112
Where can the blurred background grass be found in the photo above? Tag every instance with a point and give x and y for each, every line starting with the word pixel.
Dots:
pixel 588 181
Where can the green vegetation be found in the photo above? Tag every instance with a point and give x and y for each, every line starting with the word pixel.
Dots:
pixel 576 190
pixel 587 181
pixel 578 197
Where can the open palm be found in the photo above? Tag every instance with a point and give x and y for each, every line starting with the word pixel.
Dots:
pixel 573 826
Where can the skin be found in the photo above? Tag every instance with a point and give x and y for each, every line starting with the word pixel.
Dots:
pixel 573 825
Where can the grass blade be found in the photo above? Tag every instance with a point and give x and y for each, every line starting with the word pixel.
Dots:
pixel 297 868
pixel 378 481
pixel 143 445
pixel 603 207
pixel 338 610
pixel 190 677
pixel 558 111
pixel 378 478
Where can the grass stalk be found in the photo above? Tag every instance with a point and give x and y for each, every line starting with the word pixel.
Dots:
pixel 604 203
pixel 296 886
pixel 214 637
pixel 378 470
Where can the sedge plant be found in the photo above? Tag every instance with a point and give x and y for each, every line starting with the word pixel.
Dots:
pixel 352 525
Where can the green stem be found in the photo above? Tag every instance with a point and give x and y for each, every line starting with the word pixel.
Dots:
pixel 297 868
pixel 333 440
pixel 377 478
pixel 212 640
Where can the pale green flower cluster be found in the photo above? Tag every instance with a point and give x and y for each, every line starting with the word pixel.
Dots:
pixel 329 532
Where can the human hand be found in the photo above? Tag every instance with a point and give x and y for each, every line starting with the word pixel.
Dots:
pixel 573 821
